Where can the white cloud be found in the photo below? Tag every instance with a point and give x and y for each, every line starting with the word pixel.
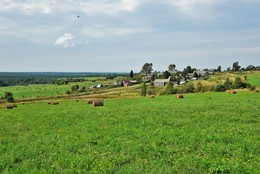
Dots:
pixel 66 40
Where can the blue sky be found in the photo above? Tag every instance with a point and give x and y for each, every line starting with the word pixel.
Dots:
pixel 120 35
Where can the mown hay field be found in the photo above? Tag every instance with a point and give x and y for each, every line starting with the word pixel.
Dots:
pixel 201 133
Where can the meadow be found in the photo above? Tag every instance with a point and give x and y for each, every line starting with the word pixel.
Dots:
pixel 46 90
pixel 202 133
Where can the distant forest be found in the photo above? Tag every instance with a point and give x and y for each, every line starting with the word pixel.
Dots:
pixel 59 78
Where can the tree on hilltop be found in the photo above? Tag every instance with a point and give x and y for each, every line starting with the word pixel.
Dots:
pixel 235 66
pixel 171 67
pixel 147 69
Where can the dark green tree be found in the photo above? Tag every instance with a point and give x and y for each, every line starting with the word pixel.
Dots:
pixel 131 74
pixel 237 83
pixel 166 75
pixel 9 97
pixel 235 66
pixel 171 67
pixel 189 69
pixel 196 74
pixel 219 88
pixel 68 92
pixel 147 69
pixel 75 87
pixel 250 67
pixel 219 69
pixel 143 89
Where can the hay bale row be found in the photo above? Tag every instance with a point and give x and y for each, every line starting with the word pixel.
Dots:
pixel 179 96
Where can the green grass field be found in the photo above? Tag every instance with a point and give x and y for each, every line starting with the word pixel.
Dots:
pixel 202 133
pixel 254 79
pixel 43 90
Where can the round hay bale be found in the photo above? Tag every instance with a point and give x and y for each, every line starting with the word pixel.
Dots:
pixel 9 107
pixel 98 103
pixel 232 92
pixel 55 103
pixel 89 101
pixel 179 96
pixel 152 96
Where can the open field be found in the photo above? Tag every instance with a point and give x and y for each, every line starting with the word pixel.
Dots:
pixel 202 133
pixel 44 90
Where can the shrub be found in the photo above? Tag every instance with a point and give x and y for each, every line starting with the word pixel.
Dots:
pixel 68 92
pixel 220 88
pixel 143 89
pixel 252 88
pixel 199 87
pixel 9 97
pixel 151 89
pixel 169 88
pixel 227 84
pixel 189 88
pixel 237 83
pixel 75 87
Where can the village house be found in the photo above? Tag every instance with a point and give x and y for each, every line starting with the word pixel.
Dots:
pixel 190 75
pixel 201 73
pixel 161 82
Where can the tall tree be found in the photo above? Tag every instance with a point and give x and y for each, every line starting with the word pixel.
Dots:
pixel 189 69
pixel 171 67
pixel 147 69
pixel 219 69
pixel 166 75
pixel 235 66
pixel 131 74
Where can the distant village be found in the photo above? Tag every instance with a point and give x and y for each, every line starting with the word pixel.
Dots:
pixel 172 75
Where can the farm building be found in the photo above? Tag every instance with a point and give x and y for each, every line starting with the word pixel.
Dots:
pixel 201 73
pixel 129 82
pixel 161 82
pixel 190 75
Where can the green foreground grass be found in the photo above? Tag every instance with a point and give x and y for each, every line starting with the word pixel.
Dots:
pixel 202 133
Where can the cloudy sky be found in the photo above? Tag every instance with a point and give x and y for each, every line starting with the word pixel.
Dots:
pixel 120 35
